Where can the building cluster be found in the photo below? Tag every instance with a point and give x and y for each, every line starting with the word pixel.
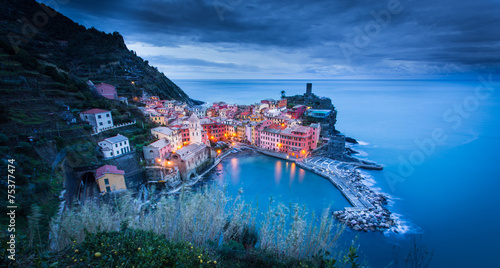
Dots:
pixel 185 135
pixel 108 177
pixel 189 137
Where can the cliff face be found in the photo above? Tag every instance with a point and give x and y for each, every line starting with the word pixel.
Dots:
pixel 42 48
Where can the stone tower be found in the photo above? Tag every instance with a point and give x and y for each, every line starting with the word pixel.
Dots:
pixel 308 89
pixel 195 129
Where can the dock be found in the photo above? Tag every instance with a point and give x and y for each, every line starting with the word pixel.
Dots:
pixel 355 198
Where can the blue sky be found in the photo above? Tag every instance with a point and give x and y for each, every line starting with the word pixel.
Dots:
pixel 233 39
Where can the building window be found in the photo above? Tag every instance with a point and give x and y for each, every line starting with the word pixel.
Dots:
pixel 106 181
pixel 107 115
pixel 99 116
pixel 117 152
pixel 109 122
pixel 100 123
pixel 108 189
pixel 116 145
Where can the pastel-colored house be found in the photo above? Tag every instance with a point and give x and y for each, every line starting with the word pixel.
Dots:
pixel 157 151
pixel 107 91
pixel 110 179
pixel 189 158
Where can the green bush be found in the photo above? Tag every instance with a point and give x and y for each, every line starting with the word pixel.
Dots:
pixel 128 248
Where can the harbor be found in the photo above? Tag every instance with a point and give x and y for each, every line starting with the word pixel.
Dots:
pixel 368 211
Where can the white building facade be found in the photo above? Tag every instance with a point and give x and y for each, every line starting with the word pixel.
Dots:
pixel 173 135
pixel 115 146
pixel 98 119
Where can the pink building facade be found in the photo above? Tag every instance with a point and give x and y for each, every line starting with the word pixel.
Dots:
pixel 106 90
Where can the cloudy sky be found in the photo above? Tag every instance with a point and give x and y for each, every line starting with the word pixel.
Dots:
pixel 323 39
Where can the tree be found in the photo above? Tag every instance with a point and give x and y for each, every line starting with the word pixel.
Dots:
pixel 283 94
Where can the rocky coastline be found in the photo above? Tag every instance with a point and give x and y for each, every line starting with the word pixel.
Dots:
pixel 375 218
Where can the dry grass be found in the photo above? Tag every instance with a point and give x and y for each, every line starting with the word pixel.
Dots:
pixel 207 217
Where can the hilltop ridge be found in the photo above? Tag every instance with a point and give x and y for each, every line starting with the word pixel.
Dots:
pixel 46 58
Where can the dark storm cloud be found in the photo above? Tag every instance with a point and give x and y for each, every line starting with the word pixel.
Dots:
pixel 423 33
pixel 201 63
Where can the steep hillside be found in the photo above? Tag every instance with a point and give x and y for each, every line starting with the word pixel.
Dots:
pixel 45 60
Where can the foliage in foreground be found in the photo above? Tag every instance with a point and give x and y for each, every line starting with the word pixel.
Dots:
pixel 217 225
pixel 128 248
pixel 137 248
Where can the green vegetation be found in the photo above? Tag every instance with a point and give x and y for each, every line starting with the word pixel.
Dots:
pixel 128 248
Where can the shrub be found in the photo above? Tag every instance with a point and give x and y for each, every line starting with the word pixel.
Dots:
pixel 128 248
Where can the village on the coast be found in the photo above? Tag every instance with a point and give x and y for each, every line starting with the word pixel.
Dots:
pixel 189 140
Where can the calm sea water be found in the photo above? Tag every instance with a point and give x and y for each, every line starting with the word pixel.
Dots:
pixel 445 189
pixel 261 177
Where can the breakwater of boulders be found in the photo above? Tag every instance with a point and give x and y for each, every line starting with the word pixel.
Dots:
pixel 366 220
pixel 372 218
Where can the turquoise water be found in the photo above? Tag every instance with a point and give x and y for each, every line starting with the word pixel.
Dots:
pixel 261 177
pixel 447 191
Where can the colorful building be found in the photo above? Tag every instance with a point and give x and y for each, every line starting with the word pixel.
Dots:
pixel 107 91
pixel 297 111
pixel 157 152
pixel 110 179
pixel 189 158
pixel 316 113
pixel 171 134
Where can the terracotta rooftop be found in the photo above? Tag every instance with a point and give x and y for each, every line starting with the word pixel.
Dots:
pixel 95 111
pixel 107 169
